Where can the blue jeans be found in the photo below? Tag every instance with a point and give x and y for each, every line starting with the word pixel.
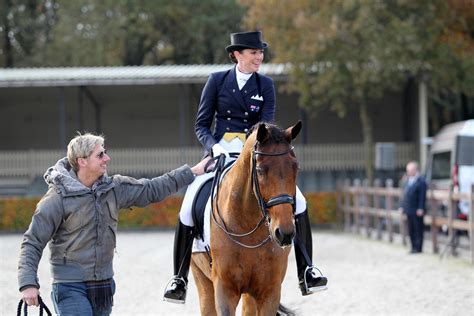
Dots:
pixel 70 299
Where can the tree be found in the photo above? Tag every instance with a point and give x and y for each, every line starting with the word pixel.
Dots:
pixel 345 53
pixel 101 33
pixel 50 33
pixel 25 27
pixel 196 32
pixel 452 91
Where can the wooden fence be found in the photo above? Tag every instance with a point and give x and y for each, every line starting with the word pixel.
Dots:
pixel 376 209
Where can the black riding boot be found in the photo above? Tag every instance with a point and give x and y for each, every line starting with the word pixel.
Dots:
pixel 183 240
pixel 309 282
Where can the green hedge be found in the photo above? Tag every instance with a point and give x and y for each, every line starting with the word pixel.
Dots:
pixel 15 213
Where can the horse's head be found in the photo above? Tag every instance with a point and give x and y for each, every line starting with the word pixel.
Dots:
pixel 274 170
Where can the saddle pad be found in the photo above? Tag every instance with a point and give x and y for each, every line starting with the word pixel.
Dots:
pixel 199 205
pixel 204 239
pixel 201 243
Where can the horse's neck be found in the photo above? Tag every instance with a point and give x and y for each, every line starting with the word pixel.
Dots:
pixel 239 196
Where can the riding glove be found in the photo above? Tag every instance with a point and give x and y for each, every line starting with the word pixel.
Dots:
pixel 217 150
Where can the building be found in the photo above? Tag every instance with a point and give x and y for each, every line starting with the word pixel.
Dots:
pixel 147 115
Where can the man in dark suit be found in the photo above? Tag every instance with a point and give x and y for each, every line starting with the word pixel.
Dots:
pixel 414 205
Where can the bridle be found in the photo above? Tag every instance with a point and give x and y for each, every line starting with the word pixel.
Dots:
pixel 264 205
pixel 280 199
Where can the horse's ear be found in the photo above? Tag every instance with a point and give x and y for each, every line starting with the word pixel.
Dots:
pixel 294 130
pixel 262 133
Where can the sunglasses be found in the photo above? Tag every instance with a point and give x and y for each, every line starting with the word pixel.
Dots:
pixel 102 154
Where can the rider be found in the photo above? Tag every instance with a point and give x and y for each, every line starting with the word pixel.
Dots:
pixel 237 99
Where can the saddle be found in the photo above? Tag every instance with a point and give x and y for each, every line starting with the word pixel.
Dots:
pixel 203 194
pixel 199 206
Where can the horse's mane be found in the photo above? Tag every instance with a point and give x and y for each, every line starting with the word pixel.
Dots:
pixel 276 135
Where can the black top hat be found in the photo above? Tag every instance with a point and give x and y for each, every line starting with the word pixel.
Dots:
pixel 246 40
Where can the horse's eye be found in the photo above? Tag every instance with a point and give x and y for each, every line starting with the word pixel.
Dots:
pixel 261 170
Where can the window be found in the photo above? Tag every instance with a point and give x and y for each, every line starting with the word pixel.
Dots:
pixel 441 166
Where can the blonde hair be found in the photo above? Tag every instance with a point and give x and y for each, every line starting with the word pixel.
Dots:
pixel 82 146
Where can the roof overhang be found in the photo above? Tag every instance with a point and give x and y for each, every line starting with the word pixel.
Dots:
pixel 127 75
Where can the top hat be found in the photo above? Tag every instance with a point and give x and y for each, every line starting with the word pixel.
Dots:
pixel 244 40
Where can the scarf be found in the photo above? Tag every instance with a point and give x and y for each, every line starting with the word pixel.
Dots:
pixel 100 294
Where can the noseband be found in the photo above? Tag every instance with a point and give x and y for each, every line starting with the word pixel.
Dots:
pixel 264 206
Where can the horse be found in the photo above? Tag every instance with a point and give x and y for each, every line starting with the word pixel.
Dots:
pixel 252 227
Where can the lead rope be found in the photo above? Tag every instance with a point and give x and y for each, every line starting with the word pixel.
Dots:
pixel 42 306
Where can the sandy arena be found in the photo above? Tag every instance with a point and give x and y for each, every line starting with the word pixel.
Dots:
pixel 366 277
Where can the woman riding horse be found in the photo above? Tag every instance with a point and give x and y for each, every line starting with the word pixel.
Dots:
pixel 238 99
pixel 252 226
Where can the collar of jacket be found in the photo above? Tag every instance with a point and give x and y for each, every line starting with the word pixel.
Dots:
pixel 64 179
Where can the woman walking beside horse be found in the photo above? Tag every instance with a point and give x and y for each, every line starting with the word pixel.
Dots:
pixel 237 99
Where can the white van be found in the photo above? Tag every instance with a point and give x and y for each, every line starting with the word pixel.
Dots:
pixel 451 160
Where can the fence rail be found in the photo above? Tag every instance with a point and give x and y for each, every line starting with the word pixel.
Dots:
pixel 312 157
pixel 364 208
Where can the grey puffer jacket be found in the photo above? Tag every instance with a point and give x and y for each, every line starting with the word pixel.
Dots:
pixel 80 223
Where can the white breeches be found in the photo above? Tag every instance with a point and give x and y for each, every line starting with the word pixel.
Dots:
pixel 234 146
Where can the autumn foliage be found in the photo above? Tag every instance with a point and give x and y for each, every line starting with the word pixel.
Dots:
pixel 16 213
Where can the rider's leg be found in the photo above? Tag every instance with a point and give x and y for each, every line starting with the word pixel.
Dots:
pixel 309 280
pixel 176 289
pixel 183 240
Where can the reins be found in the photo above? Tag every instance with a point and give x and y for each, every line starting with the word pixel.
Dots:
pixel 42 306
pixel 220 168
pixel 280 199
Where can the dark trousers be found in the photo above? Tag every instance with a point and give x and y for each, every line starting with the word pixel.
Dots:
pixel 415 230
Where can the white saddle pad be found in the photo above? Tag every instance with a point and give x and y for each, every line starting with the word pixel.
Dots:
pixel 200 245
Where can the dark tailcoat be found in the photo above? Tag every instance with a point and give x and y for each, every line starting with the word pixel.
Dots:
pixel 232 109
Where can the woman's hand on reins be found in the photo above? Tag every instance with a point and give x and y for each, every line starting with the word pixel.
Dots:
pixel 218 150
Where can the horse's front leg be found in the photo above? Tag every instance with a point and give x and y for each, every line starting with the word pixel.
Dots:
pixel 201 272
pixel 268 304
pixel 249 305
pixel 226 298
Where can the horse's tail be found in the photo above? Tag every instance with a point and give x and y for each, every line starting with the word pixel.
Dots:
pixel 285 311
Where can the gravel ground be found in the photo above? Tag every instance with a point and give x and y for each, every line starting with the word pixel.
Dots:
pixel 366 277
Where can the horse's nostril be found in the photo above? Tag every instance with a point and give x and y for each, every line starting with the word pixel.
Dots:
pixel 284 239
pixel 278 234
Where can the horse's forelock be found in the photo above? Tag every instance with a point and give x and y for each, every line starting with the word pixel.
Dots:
pixel 276 135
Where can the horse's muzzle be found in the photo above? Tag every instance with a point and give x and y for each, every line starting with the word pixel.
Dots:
pixel 284 239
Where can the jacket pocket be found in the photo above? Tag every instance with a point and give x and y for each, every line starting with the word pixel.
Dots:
pixel 113 211
pixel 113 236
pixel 77 211
pixel 110 241
pixel 76 240
pixel 73 221
pixel 70 271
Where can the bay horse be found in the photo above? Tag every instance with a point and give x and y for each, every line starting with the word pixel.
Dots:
pixel 252 227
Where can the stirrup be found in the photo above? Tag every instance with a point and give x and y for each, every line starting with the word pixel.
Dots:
pixel 316 288
pixel 175 278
